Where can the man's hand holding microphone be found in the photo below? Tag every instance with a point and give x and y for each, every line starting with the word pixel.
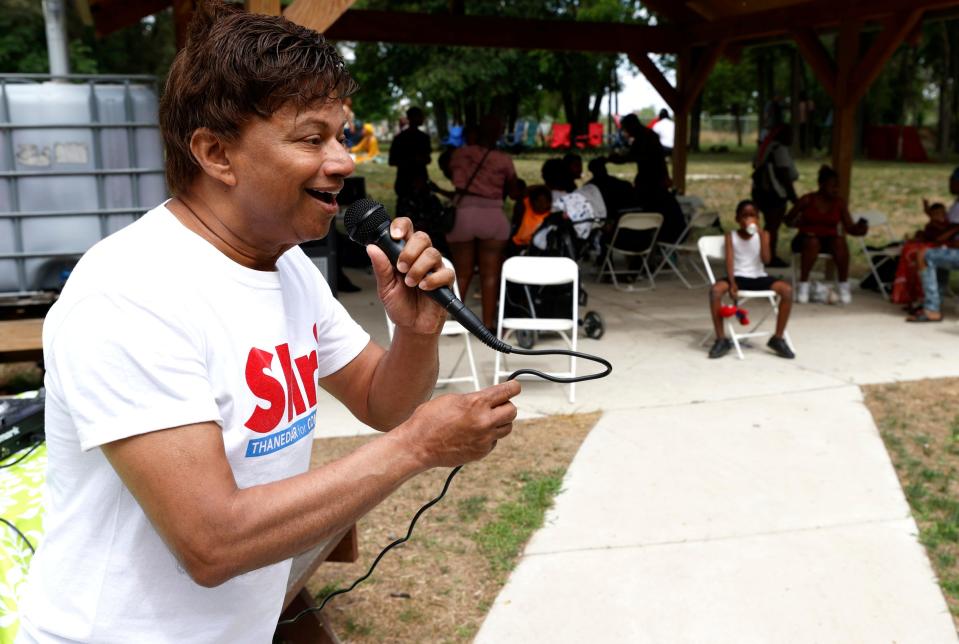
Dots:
pixel 452 429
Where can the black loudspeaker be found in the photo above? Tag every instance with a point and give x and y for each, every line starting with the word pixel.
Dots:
pixel 21 424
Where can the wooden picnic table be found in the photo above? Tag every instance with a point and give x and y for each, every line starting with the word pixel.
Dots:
pixel 21 340
pixel 313 627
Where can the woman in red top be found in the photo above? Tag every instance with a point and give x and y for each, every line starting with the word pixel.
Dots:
pixel 823 221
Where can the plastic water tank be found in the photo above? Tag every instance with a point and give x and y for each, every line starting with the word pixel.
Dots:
pixel 78 161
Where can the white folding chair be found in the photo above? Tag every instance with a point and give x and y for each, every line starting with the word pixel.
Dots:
pixel 878 223
pixel 636 221
pixel 713 247
pixel 691 205
pixel 539 271
pixel 686 245
pixel 452 328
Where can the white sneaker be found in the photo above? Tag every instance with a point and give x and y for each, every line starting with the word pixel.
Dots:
pixel 845 295
pixel 802 293
pixel 820 293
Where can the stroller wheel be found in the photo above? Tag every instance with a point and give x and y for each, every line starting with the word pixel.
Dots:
pixel 593 325
pixel 526 339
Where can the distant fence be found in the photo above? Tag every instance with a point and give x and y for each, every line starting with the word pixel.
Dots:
pixel 720 129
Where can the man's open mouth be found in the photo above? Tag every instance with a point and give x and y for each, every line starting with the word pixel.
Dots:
pixel 325 197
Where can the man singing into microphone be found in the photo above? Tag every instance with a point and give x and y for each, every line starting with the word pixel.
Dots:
pixel 184 356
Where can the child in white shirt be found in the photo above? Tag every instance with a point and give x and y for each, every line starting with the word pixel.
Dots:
pixel 747 250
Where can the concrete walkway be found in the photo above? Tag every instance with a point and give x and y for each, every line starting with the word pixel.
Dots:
pixel 725 501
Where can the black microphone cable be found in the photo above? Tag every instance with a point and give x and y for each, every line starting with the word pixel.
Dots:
pixel 17 530
pixel 607 369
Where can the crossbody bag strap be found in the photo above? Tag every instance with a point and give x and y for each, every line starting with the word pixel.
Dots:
pixel 460 194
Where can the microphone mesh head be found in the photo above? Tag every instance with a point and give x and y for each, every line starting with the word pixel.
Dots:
pixel 363 218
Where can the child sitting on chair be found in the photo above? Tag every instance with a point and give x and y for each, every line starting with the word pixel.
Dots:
pixel 939 230
pixel 747 250
pixel 536 206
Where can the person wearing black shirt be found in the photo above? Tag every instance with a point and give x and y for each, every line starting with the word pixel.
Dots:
pixel 652 177
pixel 410 153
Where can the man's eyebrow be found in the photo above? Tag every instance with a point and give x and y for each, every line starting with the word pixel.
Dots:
pixel 321 123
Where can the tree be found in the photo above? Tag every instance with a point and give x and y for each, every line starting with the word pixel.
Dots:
pixel 465 82
pixel 144 48
pixel 729 90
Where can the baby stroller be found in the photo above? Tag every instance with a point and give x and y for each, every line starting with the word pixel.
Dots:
pixel 557 236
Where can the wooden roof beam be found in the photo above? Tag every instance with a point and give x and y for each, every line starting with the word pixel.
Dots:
pixel 367 25
pixel 266 7
pixel 111 15
pixel 816 14
pixel 318 15
pixel 893 34
pixel 656 78
pixel 817 58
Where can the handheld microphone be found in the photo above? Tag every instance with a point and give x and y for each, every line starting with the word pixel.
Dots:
pixel 367 222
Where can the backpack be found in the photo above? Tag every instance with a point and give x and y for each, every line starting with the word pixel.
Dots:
pixel 762 176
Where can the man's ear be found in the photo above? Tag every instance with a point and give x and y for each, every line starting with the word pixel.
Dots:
pixel 210 153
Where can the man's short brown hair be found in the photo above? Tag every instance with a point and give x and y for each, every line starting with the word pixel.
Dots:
pixel 236 66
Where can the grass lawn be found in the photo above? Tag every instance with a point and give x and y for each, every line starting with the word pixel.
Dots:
pixel 438 586
pixel 722 180
pixel 919 422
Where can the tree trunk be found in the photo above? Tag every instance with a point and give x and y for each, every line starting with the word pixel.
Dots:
pixel 470 113
pixel 945 93
pixel 738 120
pixel 442 119
pixel 512 114
pixel 581 124
pixel 569 105
pixel 761 97
pixel 597 104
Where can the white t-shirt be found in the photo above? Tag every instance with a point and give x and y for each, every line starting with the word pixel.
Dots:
pixel 666 130
pixel 156 329
pixel 747 260
pixel 953 214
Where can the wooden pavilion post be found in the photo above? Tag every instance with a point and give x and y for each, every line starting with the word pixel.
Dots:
pixel 852 78
pixel 182 14
pixel 844 108
pixel 691 76
pixel 681 121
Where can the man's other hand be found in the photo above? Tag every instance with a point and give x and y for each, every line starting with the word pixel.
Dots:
pixel 459 428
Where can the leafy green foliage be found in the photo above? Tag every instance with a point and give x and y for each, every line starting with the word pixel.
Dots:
pixel 469 82
pixel 144 48
pixel 23 46
pixel 730 84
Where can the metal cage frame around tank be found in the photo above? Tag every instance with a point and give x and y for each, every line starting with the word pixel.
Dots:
pixel 98 172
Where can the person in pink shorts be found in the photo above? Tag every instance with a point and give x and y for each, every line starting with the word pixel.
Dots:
pixel 483 177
